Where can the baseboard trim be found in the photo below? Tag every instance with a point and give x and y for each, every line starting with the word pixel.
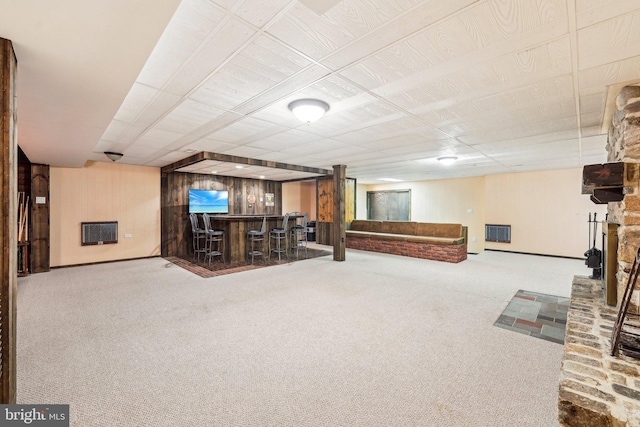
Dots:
pixel 105 262
pixel 532 253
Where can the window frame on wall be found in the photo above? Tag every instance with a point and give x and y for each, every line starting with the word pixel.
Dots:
pixel 394 210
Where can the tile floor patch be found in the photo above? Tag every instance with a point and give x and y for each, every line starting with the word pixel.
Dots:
pixel 537 315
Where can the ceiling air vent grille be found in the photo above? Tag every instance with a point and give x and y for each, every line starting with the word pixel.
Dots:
pixel 99 233
pixel 497 233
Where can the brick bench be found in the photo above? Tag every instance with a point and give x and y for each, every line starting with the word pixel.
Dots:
pixel 440 242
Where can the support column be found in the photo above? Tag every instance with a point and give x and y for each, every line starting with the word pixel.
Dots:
pixel 8 222
pixel 39 248
pixel 338 226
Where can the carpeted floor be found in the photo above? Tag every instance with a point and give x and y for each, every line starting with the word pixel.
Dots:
pixel 217 268
pixel 377 340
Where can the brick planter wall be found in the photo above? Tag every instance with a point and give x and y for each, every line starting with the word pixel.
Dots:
pixel 446 253
pixel 596 389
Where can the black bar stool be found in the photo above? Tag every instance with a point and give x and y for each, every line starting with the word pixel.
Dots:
pixel 198 233
pixel 214 240
pixel 279 237
pixel 256 237
pixel 298 237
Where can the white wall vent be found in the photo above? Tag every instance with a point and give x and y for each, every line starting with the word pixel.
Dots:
pixel 99 233
pixel 497 233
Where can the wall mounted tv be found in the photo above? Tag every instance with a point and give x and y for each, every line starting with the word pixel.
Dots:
pixel 208 201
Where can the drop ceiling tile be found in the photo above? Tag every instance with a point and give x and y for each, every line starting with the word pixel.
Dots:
pixel 278 142
pixel 241 130
pixel 226 43
pixel 275 56
pixel 286 89
pixel 234 84
pixel 591 12
pixel 157 138
pixel 166 159
pixel 338 154
pixel 191 24
pixel 591 118
pixel 227 4
pixel 260 12
pixel 188 116
pixel 115 129
pixel 529 115
pixel 385 31
pixel 404 79
pixel 156 109
pixel 244 151
pixel 313 35
pixel 137 99
pixel 609 41
pixel 210 145
pixel 308 148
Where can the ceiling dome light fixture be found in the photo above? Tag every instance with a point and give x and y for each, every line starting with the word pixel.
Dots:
pixel 308 110
pixel 113 156
pixel 447 160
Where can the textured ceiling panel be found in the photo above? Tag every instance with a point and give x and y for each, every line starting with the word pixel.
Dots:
pixel 503 85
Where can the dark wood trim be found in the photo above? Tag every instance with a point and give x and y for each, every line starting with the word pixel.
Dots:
pixel 8 221
pixel 40 228
pixel 205 155
pixel 339 228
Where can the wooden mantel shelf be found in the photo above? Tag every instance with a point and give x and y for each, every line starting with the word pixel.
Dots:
pixel 605 182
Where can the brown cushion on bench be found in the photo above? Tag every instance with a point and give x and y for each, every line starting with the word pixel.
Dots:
pixel 439 230
pixel 398 227
pixel 365 225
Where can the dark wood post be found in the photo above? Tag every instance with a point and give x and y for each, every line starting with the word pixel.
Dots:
pixel 40 230
pixel 8 222
pixel 338 226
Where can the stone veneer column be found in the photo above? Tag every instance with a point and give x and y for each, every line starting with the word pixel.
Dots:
pixel 624 146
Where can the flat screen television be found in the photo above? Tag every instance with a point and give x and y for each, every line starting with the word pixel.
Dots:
pixel 208 201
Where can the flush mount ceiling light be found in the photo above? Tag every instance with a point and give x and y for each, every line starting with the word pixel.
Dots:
pixel 308 110
pixel 447 160
pixel 113 156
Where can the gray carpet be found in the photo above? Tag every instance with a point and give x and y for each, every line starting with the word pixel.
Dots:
pixel 378 340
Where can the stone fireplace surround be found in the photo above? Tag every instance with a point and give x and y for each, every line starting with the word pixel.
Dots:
pixel 597 389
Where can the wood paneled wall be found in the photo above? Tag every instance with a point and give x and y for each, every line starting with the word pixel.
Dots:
pixel 175 226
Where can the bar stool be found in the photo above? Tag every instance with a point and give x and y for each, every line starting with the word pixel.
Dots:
pixel 214 240
pixel 257 237
pixel 197 233
pixel 298 237
pixel 279 236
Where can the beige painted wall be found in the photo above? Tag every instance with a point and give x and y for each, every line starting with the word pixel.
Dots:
pixel 299 197
pixel 104 192
pixel 442 201
pixel 546 211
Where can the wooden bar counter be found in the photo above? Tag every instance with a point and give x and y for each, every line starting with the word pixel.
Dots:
pixel 235 231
